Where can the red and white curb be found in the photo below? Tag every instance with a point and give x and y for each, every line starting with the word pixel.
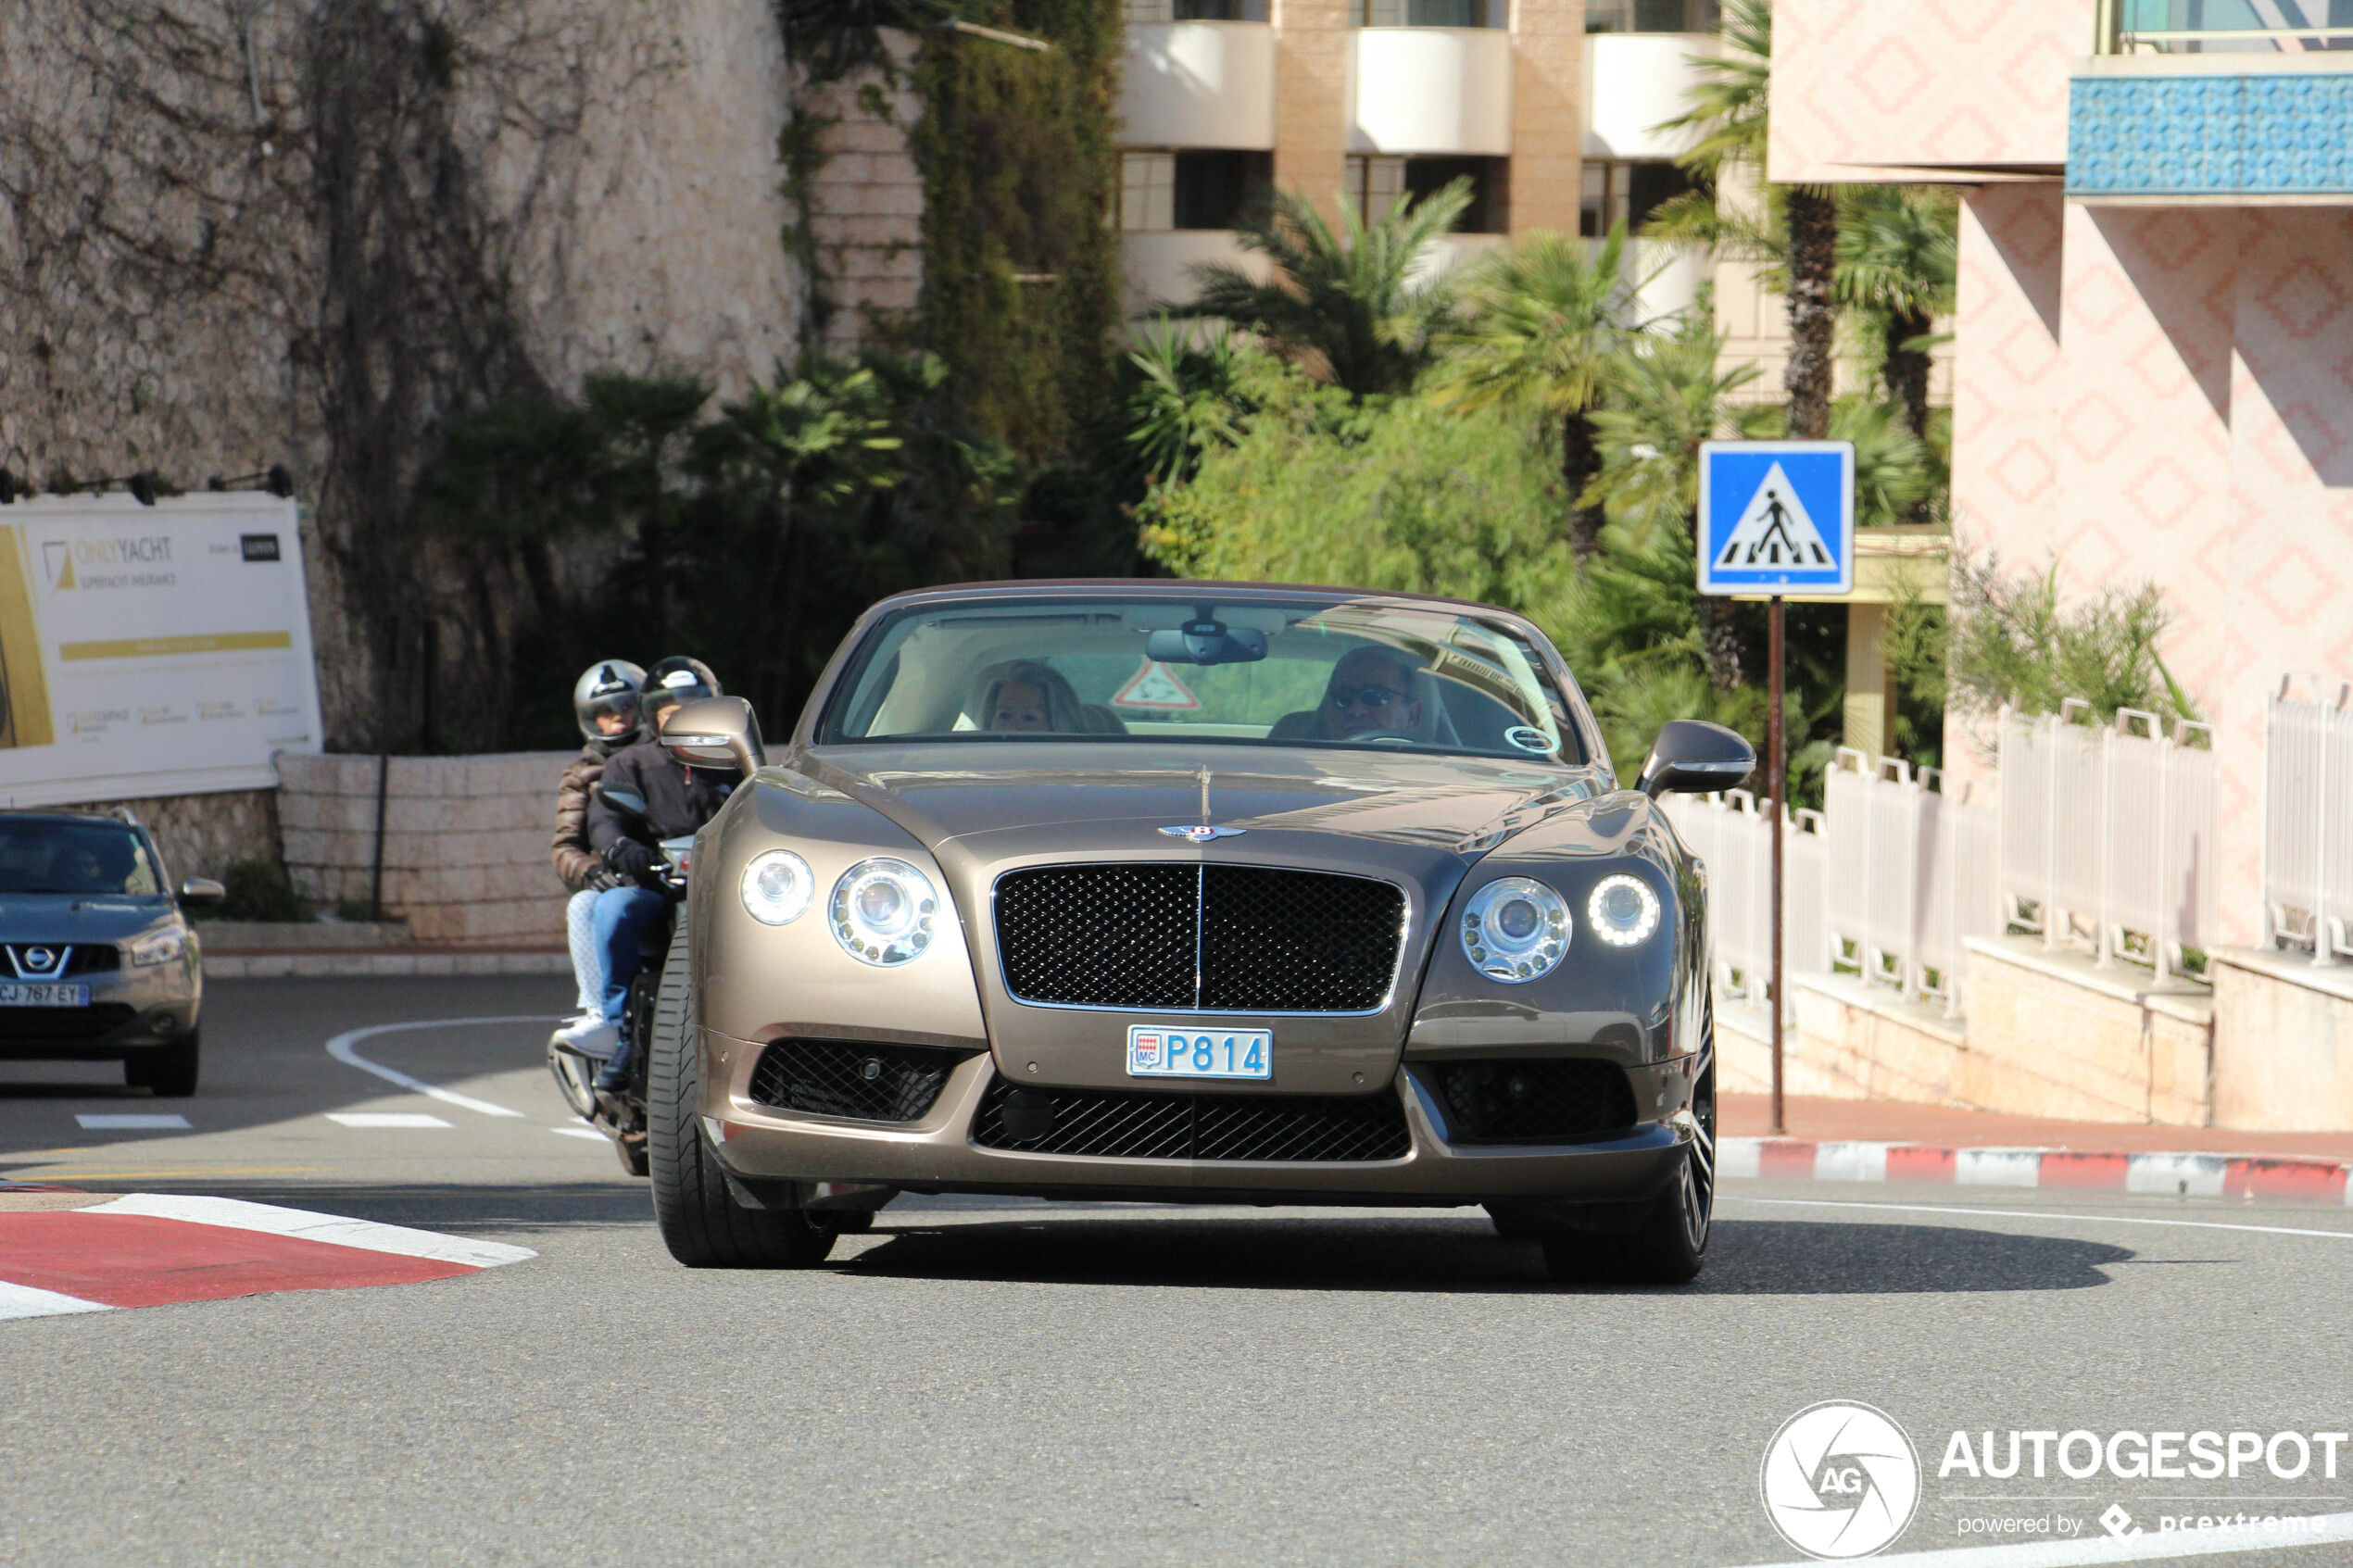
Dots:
pixel 152 1249
pixel 2293 1177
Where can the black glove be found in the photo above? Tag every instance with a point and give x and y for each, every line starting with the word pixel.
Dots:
pixel 601 878
pixel 631 858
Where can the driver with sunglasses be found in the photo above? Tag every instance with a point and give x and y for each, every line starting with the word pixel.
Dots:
pixel 1371 692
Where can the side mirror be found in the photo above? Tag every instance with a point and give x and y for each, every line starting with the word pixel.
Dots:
pixel 202 890
pixel 715 731
pixel 1693 755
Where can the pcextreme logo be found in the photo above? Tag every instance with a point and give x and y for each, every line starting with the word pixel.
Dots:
pixel 1840 1480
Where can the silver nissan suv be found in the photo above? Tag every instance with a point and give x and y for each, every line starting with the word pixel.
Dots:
pixel 97 961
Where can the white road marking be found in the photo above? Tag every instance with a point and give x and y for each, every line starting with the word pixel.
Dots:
pixel 110 1123
pixel 2150 1546
pixel 341 1048
pixel 581 1133
pixel 26 1302
pixel 2030 1214
pixel 237 1214
pixel 386 1118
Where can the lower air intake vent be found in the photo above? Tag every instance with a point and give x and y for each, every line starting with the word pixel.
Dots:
pixel 1118 1124
pixel 64 1024
pixel 1531 1101
pixel 860 1079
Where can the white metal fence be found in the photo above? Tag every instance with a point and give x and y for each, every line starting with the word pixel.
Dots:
pixel 2308 820
pixel 2107 833
pixel 1732 837
pixel 1916 874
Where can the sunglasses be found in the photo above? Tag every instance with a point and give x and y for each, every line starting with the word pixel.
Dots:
pixel 1371 697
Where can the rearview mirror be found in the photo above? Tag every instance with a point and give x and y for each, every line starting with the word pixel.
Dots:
pixel 1206 640
pixel 1692 755
pixel 714 733
pixel 202 890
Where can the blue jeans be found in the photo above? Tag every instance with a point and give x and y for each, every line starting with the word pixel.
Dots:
pixel 621 918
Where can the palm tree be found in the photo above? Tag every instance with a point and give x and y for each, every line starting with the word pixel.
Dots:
pixel 1798 232
pixel 1352 307
pixel 1898 251
pixel 1546 327
pixel 1668 394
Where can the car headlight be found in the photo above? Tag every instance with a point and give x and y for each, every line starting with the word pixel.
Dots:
pixel 1515 928
pixel 1623 910
pixel 882 911
pixel 161 947
pixel 776 887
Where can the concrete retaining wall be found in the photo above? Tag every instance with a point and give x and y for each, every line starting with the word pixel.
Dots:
pixel 2283 1043
pixel 465 849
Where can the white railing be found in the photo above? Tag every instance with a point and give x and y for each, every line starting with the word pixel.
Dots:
pixel 1914 875
pixel 1733 838
pixel 2107 833
pixel 2308 820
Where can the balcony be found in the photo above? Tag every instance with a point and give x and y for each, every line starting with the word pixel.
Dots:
pixel 1431 90
pixel 1199 85
pixel 2238 127
pixel 1635 82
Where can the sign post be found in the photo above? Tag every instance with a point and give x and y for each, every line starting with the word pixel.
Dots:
pixel 1775 517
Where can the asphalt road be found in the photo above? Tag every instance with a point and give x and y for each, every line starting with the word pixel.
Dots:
pixel 1005 1382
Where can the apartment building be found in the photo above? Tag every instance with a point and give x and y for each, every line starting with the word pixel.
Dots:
pixel 1547 106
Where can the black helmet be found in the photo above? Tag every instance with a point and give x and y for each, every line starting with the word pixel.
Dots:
pixel 610 686
pixel 674 680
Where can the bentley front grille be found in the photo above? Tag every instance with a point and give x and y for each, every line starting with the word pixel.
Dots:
pixel 1209 938
pixel 861 1079
pixel 1141 1125
pixel 1531 1101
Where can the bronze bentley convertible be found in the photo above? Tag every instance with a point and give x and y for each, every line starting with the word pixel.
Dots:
pixel 1191 892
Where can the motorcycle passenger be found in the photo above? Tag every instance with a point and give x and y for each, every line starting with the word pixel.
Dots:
pixel 604 701
pixel 645 796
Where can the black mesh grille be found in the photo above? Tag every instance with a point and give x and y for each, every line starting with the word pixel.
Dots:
pixel 1253 938
pixel 855 1078
pixel 1126 1125
pixel 63 1023
pixel 1532 1101
pixel 82 958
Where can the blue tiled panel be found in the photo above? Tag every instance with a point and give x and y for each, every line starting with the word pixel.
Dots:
pixel 2210 135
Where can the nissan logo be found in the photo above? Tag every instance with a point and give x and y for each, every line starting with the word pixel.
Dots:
pixel 40 957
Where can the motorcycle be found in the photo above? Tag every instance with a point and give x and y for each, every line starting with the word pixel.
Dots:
pixel 619 1114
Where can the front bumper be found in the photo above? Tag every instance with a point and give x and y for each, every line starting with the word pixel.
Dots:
pixel 935 1153
pixel 151 1005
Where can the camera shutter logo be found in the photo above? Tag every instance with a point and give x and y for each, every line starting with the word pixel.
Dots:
pixel 1840 1480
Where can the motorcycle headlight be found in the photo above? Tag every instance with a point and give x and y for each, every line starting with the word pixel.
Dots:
pixel 161 947
pixel 882 911
pixel 776 886
pixel 1515 928
pixel 1623 910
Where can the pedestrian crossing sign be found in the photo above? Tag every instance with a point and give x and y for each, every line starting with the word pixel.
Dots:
pixel 1776 517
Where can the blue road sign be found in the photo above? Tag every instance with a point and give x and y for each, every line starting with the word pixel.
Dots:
pixel 1776 517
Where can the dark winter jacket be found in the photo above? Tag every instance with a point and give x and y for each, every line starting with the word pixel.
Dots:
pixel 646 794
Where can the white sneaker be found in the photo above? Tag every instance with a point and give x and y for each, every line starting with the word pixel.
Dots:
pixel 590 1037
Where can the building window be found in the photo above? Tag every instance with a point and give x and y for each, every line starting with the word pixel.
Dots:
pixel 1374 183
pixel 1190 190
pixel 1430 13
pixel 1626 193
pixel 1650 16
pixel 1139 11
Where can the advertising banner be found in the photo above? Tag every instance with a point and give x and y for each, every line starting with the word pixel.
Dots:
pixel 151 650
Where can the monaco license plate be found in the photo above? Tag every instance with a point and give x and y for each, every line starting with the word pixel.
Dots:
pixel 1154 1052
pixel 44 996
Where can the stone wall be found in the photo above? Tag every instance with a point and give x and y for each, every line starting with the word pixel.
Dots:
pixel 204 835
pixel 866 202
pixel 465 843
pixel 2283 1043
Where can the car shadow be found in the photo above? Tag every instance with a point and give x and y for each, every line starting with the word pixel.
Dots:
pixel 1747 1257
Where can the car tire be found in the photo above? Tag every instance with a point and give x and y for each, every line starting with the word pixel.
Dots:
pixel 700 1222
pixel 1668 1246
pixel 169 1071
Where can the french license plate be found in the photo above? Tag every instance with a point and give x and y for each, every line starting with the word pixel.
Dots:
pixel 44 996
pixel 1154 1052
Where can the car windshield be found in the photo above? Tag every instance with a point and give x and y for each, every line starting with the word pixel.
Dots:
pixel 1243 670
pixel 40 855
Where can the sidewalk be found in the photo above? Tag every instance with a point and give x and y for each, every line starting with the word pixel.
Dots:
pixel 1838 1140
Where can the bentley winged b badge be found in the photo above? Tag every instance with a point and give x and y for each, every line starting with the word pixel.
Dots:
pixel 1203 835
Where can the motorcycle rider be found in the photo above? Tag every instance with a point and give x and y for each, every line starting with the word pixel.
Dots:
pixel 644 795
pixel 604 701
